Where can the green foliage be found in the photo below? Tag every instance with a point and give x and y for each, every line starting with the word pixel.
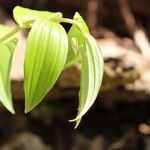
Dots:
pixel 25 16
pixel 45 59
pixel 49 51
pixel 6 53
pixel 92 67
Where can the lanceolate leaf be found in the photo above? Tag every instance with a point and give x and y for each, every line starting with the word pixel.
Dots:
pixel 45 58
pixel 91 74
pixel 6 53
pixel 23 15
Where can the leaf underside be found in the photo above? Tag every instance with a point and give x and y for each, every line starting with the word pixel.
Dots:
pixel 45 58
pixel 91 76
pixel 92 70
pixel 6 54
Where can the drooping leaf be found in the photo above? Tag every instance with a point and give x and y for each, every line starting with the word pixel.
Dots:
pixel 75 44
pixel 75 34
pixel 6 54
pixel 45 58
pixel 23 15
pixel 91 76
pixel 92 71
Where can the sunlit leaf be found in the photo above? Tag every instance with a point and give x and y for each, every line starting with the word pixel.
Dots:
pixel 6 53
pixel 45 58
pixel 81 23
pixel 75 34
pixel 91 74
pixel 5 30
pixel 23 15
pixel 75 44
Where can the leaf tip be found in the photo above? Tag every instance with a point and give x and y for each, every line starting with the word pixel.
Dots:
pixel 11 109
pixel 26 111
pixel 77 122
pixel 29 107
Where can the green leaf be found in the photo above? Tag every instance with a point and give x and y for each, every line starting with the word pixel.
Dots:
pixel 76 36
pixel 23 15
pixel 92 70
pixel 91 76
pixel 75 44
pixel 3 30
pixel 81 23
pixel 45 58
pixel 6 54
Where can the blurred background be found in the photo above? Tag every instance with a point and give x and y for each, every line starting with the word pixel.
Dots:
pixel 120 117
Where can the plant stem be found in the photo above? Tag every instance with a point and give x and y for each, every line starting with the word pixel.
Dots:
pixel 18 28
pixel 65 20
pixel 10 34
pixel 74 22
